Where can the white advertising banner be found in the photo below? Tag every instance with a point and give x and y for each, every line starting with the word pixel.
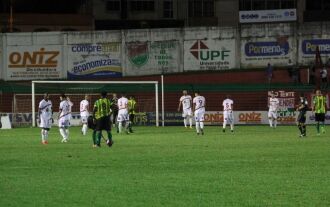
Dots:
pixel 209 54
pixel 34 62
pixel 307 49
pixel 259 16
pixel 260 117
pixel 258 52
pixel 94 60
pixel 152 58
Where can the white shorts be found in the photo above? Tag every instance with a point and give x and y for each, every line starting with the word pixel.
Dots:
pixel 45 122
pixel 199 115
pixel 228 116
pixel 63 122
pixel 84 119
pixel 123 116
pixel 272 114
pixel 186 112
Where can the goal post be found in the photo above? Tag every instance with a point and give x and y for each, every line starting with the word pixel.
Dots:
pixel 153 83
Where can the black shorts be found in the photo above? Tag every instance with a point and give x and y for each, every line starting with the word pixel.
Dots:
pixel 103 124
pixel 131 118
pixel 301 118
pixel 320 117
pixel 114 115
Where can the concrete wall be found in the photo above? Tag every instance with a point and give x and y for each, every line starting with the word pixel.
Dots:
pixel 103 54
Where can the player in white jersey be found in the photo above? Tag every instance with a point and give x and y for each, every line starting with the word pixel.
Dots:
pixel 123 116
pixel 84 113
pixel 64 118
pixel 45 117
pixel 228 114
pixel 273 105
pixel 185 101
pixel 199 111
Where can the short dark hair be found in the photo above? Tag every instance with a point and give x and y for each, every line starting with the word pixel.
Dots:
pixel 197 92
pixel 302 95
pixel 103 94
pixel 63 95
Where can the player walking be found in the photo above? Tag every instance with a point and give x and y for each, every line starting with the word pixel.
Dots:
pixel 123 113
pixel 45 117
pixel 272 112
pixel 114 108
pixel 64 118
pixel 228 115
pixel 84 113
pixel 185 101
pixel 199 104
pixel 319 108
pixel 101 114
pixel 131 112
pixel 302 108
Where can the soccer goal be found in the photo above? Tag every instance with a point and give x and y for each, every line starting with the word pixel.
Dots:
pixel 145 92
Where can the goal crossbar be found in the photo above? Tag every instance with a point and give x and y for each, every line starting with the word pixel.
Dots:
pixel 155 83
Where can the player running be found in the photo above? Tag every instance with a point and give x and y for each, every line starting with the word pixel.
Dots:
pixel 185 101
pixel 84 113
pixel 319 108
pixel 228 115
pixel 123 113
pixel 45 117
pixel 301 119
pixel 64 118
pixel 272 112
pixel 199 104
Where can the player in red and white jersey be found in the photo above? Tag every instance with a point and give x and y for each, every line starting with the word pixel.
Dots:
pixel 273 105
pixel 84 113
pixel 228 114
pixel 45 117
pixel 199 111
pixel 185 101
pixel 123 116
pixel 64 118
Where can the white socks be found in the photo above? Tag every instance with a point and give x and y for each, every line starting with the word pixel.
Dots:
pixel 120 127
pixel 84 129
pixel 270 122
pixel 201 124
pixel 224 124
pixel 64 135
pixel 44 135
pixel 185 122
pixel 197 126
pixel 190 122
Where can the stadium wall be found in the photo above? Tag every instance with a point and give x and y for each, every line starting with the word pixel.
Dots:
pixel 105 54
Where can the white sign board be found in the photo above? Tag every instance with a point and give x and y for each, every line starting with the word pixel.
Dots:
pixel 209 54
pixel 152 58
pixel 258 52
pixel 34 62
pixel 259 16
pixel 308 47
pixel 94 60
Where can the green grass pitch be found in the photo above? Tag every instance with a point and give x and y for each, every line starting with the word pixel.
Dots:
pixel 171 166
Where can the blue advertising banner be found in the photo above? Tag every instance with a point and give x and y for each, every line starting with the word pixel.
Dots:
pixel 94 60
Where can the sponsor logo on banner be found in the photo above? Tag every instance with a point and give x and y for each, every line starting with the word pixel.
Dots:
pixel 253 49
pixel 279 15
pixel 309 46
pixel 151 58
pixel 32 62
pixel 138 53
pixel 93 60
pixel 201 52
pixel 250 117
pixel 209 55
pixel 35 59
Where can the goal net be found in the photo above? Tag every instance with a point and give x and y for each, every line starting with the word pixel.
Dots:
pixel 144 92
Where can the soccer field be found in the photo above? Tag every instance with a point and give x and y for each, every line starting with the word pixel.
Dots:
pixel 171 166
